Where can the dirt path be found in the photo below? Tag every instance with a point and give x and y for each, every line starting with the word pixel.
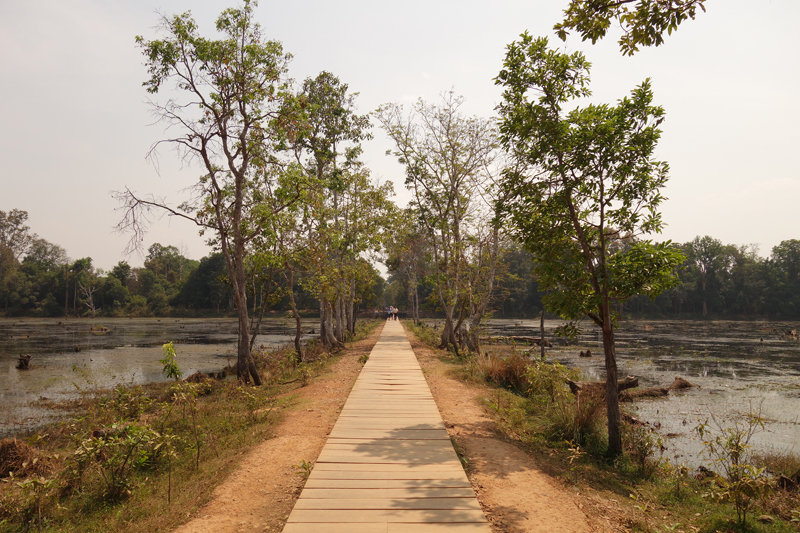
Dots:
pixel 260 494
pixel 515 494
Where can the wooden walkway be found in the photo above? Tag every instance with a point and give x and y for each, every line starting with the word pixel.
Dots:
pixel 388 465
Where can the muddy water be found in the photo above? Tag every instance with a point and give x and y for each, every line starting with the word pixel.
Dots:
pixel 738 366
pixel 112 352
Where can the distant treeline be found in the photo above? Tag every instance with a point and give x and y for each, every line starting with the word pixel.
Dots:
pixel 716 280
pixel 37 279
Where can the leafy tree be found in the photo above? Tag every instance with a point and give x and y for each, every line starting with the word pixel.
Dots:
pixel 785 269
pixel 14 233
pixel 347 213
pixel 643 22
pixel 708 260
pixel 449 160
pixel 787 258
pixel 228 111
pixel 122 272
pixel 408 254
pixel 45 254
pixel 582 181
pixel 8 272
pixel 207 286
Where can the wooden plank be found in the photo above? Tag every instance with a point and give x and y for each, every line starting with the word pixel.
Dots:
pixel 394 493
pixel 321 516
pixel 388 464
pixel 391 504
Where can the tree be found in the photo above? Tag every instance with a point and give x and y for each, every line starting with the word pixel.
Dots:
pixel 583 180
pixel 121 271
pixel 643 22
pixel 448 160
pixel 45 254
pixel 709 259
pixel 14 234
pixel 346 212
pixel 407 252
pixel 228 113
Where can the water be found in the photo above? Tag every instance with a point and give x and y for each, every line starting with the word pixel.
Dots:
pixel 117 351
pixel 738 366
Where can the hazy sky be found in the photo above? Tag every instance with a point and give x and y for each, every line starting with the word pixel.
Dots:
pixel 76 126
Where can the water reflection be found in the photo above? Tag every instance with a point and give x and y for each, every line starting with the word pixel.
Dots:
pixel 70 356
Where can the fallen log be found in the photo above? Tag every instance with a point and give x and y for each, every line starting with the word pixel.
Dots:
pixel 519 339
pixel 596 387
pixel 650 392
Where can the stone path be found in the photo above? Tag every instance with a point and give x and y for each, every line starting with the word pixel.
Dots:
pixel 388 465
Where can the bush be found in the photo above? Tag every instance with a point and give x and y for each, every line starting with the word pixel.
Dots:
pixel 509 372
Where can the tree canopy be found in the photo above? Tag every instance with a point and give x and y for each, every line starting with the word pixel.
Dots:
pixel 643 22
pixel 584 190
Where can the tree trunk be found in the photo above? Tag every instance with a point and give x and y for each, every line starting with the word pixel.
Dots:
pixel 351 315
pixel 245 366
pixel 612 390
pixel 298 333
pixel 326 324
pixel 541 333
pixel 448 337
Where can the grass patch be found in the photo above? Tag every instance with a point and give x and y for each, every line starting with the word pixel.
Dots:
pixel 144 458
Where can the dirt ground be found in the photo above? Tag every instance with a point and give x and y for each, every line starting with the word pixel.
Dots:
pixel 516 495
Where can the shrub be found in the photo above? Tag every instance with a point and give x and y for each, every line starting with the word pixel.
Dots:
pixel 509 372
pixel 741 483
pixel 114 453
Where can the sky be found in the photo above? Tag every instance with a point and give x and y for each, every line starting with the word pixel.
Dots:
pixel 76 124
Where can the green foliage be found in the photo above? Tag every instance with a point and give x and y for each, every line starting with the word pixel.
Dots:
pixel 641 444
pixel 36 490
pixel 115 453
pixel 741 483
pixel 643 22
pixel 304 469
pixel 171 369
pixel 583 191
pixel 596 187
pixel 546 381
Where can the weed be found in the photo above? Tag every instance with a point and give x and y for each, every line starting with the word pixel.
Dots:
pixel 35 490
pixel 741 482
pixel 170 369
pixel 641 443
pixel 363 358
pixel 574 457
pixel 304 469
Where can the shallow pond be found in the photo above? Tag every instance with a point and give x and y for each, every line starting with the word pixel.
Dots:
pixel 738 366
pixel 112 352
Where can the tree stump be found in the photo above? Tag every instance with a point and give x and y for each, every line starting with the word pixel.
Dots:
pixel 680 384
